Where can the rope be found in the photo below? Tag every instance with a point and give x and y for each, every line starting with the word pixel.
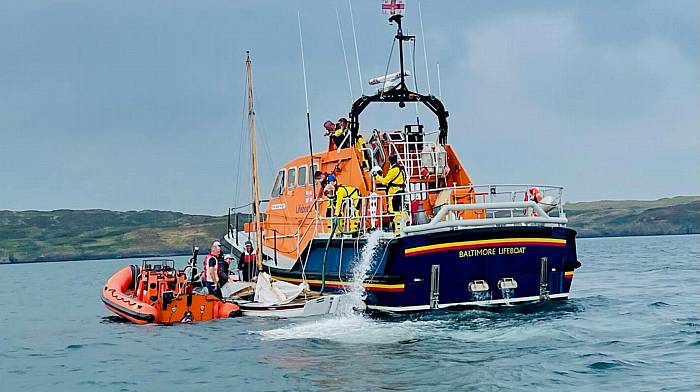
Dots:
pixel 425 53
pixel 376 269
pixel 345 56
pixel 241 137
pixel 242 206
pixel 415 80
pixel 388 63
pixel 413 64
pixel 439 84
pixel 303 63
pixel 357 55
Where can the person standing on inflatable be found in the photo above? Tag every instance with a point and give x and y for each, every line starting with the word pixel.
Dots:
pixel 210 274
pixel 247 262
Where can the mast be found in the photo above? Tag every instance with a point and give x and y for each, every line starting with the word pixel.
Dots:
pixel 254 162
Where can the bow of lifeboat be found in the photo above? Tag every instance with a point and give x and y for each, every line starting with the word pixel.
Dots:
pixel 157 293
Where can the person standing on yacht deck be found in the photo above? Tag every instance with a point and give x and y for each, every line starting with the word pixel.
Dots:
pixel 224 268
pixel 247 262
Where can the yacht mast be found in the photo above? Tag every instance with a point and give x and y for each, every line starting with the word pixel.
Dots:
pixel 254 163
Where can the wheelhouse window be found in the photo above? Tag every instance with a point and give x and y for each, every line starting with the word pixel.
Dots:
pixel 312 173
pixel 279 184
pixel 291 175
pixel 302 176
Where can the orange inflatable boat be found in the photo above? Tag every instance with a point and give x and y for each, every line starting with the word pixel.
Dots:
pixel 158 293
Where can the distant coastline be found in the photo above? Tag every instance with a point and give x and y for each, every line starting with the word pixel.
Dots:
pixel 188 253
pixel 61 259
pixel 72 235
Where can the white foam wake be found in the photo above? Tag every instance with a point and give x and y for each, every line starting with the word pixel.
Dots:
pixel 347 325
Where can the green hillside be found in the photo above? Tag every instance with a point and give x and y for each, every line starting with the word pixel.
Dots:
pixel 93 234
pixel 90 234
pixel 676 215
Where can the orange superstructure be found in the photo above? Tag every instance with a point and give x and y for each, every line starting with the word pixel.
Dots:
pixel 296 208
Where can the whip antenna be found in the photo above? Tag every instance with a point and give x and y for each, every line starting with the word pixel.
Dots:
pixel 439 85
pixel 357 55
pixel 425 52
pixel 303 63
pixel 345 56
pixel 415 80
pixel 306 97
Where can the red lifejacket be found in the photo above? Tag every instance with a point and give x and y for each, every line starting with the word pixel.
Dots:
pixel 205 277
pixel 249 258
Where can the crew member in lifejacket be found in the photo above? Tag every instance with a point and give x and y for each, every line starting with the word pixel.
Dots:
pixel 224 268
pixel 340 136
pixel 395 183
pixel 330 128
pixel 247 264
pixel 344 201
pixel 324 179
pixel 361 147
pixel 210 270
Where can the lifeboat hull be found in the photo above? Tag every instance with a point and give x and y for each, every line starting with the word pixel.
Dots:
pixel 120 297
pixel 421 272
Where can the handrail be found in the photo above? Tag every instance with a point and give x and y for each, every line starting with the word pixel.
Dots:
pixel 438 223
pixel 490 201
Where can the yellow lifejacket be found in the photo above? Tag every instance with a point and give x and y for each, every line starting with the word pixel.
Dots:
pixel 339 132
pixel 394 180
pixel 359 142
pixel 344 192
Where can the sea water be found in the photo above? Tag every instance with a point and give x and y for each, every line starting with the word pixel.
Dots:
pixel 348 314
pixel 632 323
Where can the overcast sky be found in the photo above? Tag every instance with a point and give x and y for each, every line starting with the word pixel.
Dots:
pixel 133 105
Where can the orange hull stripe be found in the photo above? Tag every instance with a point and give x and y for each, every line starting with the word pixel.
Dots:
pixel 485 243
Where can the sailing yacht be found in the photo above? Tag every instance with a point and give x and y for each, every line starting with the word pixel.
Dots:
pixel 266 296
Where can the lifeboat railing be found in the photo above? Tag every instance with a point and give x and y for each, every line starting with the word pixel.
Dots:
pixel 449 208
pixel 422 159
pixel 467 206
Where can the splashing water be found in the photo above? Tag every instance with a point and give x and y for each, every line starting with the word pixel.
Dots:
pixel 355 294
pixel 481 296
pixel 507 294
pixel 347 325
